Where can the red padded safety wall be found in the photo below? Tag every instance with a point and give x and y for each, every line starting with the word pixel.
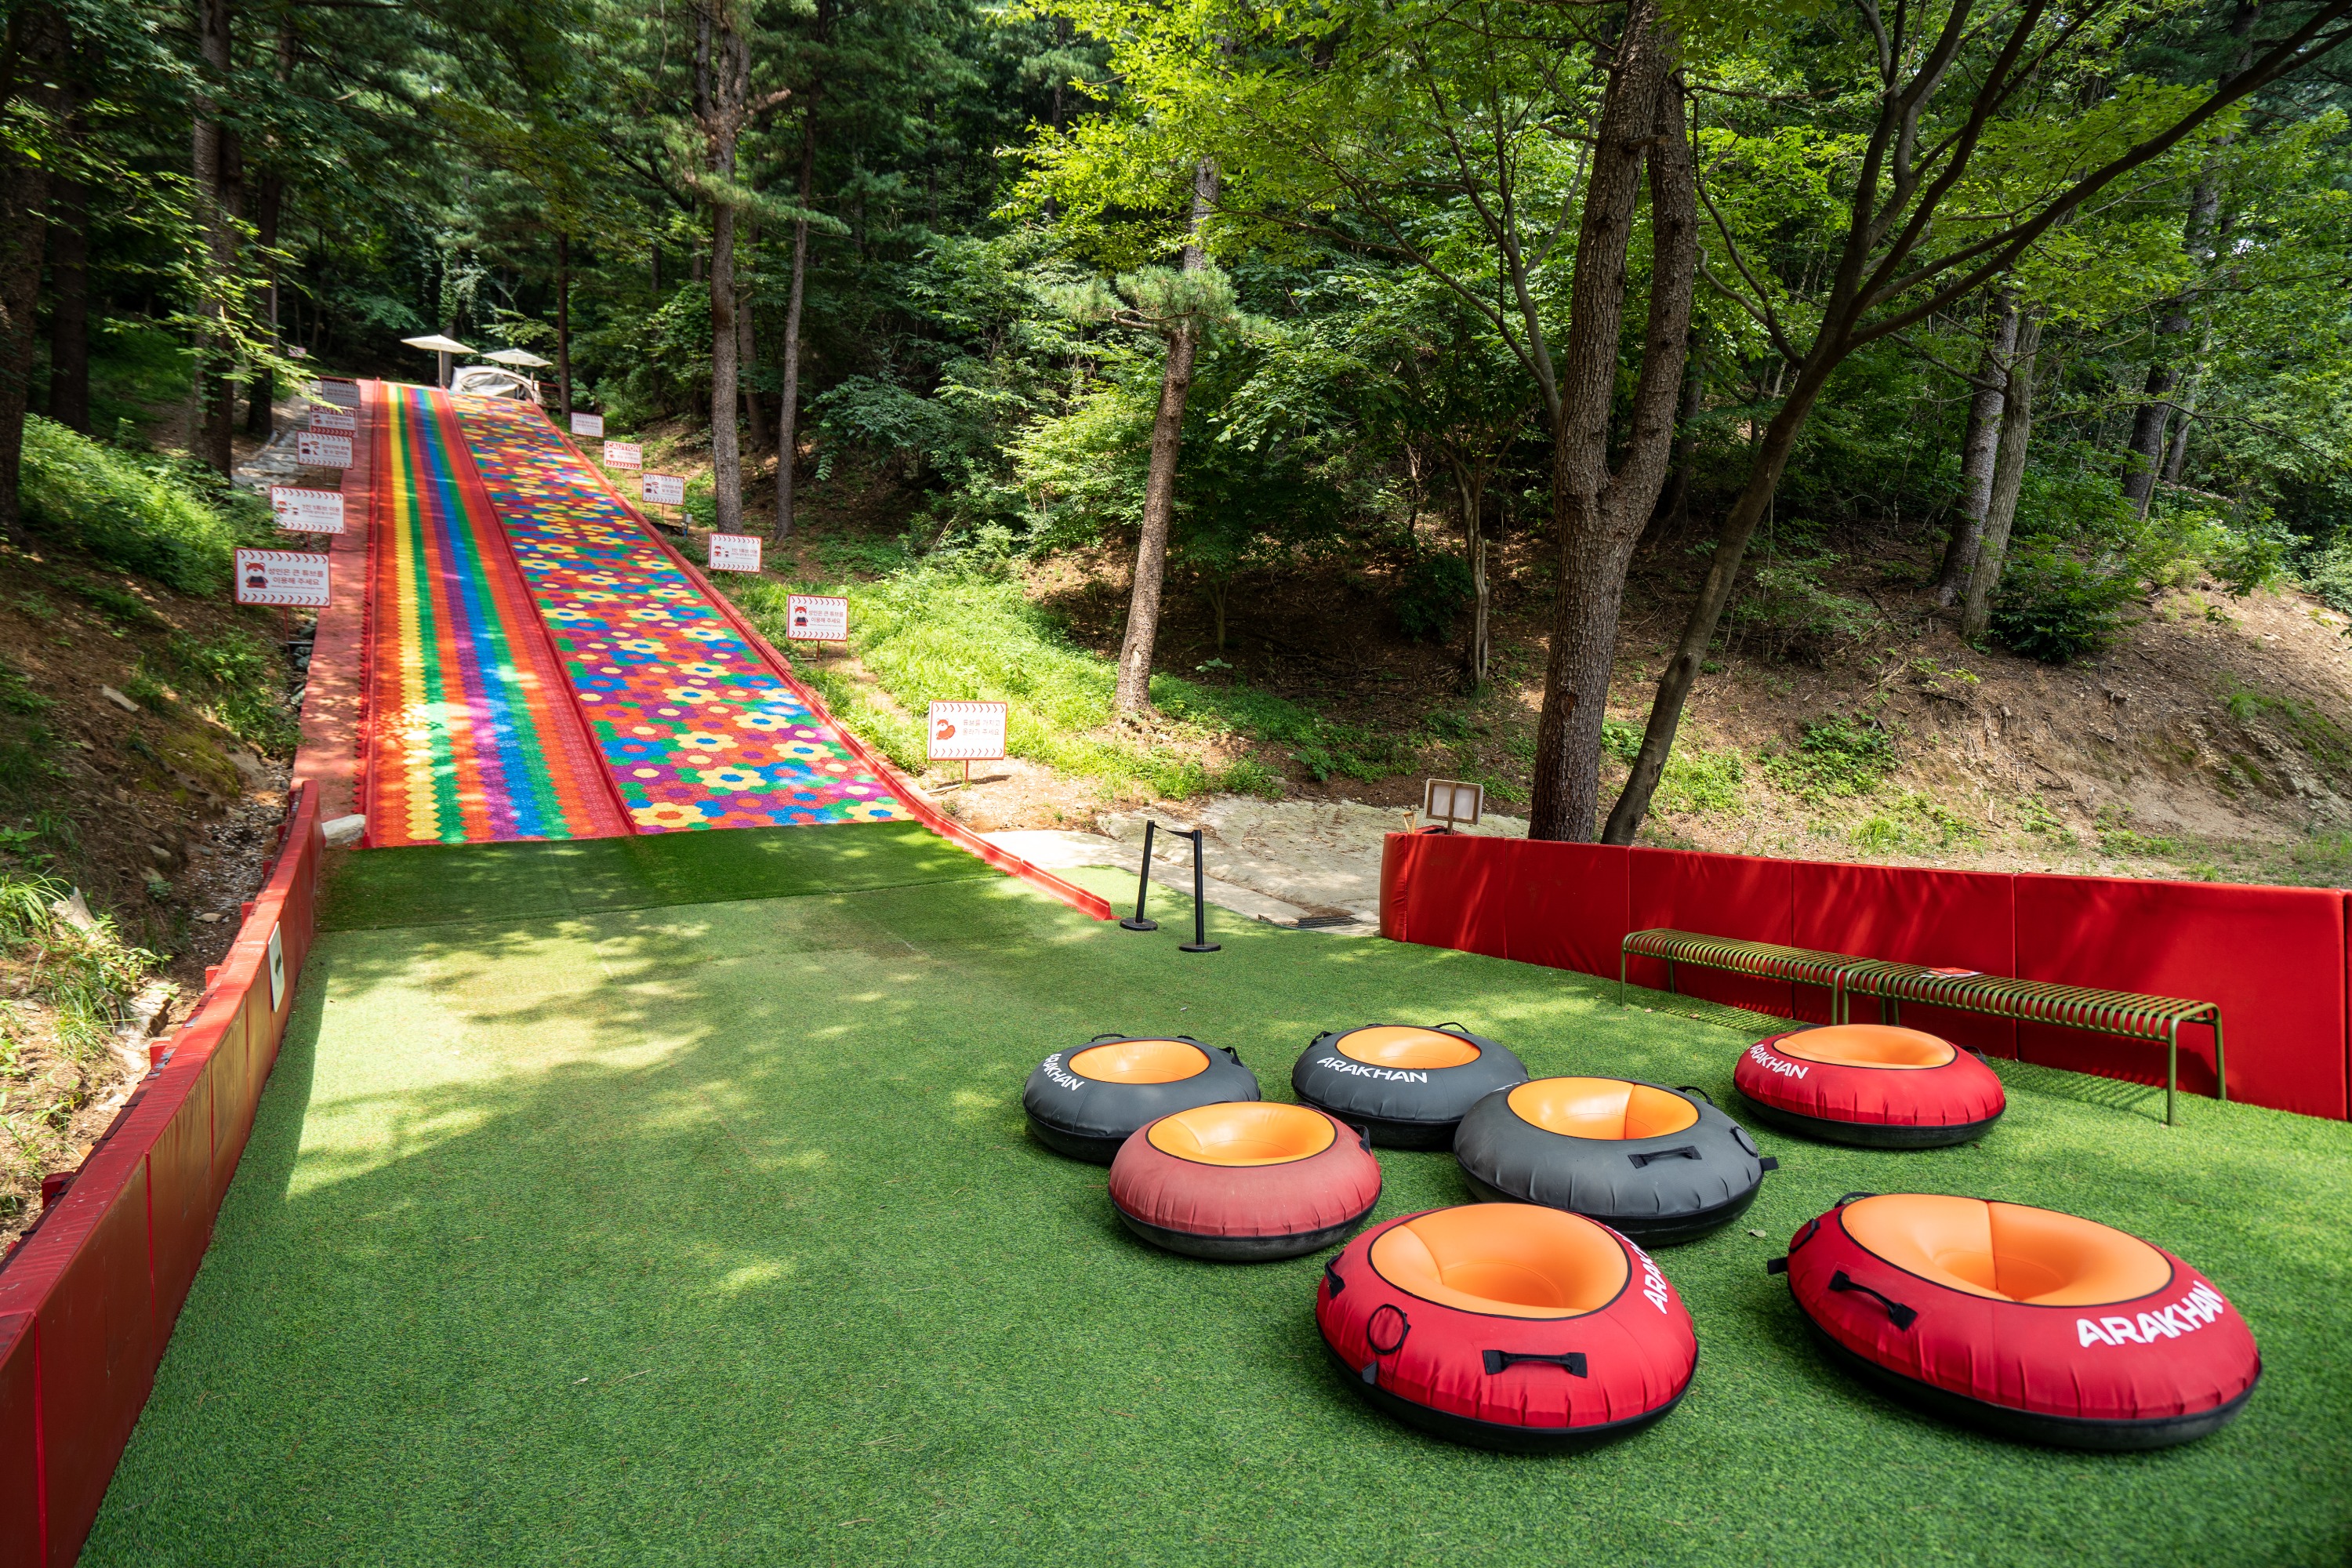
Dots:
pixel 1741 896
pixel 1564 905
pixel 2272 958
pixel 1961 919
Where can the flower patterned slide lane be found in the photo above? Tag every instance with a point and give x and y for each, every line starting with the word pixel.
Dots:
pixel 474 738
pixel 695 728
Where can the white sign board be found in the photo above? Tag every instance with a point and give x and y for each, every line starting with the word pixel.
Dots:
pixel 740 553
pixel 817 617
pixel 663 489
pixel 320 451
pixel 340 389
pixel 623 455
pixel 588 424
pixel 965 732
pixel 1452 801
pixel 322 418
pixel 277 970
pixel 282 577
pixel 307 511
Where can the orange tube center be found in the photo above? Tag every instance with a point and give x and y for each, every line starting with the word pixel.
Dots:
pixel 1404 1045
pixel 1244 1132
pixel 1601 1107
pixel 1510 1260
pixel 1141 1061
pixel 2006 1251
pixel 1868 1045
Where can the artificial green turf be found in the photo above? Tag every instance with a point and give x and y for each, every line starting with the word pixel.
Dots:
pixel 711 1234
pixel 452 884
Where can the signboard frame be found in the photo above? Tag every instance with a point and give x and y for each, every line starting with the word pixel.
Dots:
pixel 302 509
pixel 318 450
pixel 826 617
pixel 625 455
pixel 304 596
pixel 671 489
pixel 947 712
pixel 734 546
pixel 588 424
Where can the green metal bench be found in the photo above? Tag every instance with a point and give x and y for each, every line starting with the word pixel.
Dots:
pixel 1846 976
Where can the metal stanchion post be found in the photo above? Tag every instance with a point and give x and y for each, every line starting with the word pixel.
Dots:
pixel 1200 943
pixel 1143 884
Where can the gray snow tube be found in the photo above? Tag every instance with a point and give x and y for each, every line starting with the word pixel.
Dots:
pixel 1087 1102
pixel 1661 1165
pixel 1407 1085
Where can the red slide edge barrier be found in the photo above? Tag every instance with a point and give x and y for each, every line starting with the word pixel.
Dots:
pixel 89 1297
pixel 1092 905
pixel 2277 960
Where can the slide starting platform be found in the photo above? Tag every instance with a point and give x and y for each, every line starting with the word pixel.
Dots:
pixel 541 665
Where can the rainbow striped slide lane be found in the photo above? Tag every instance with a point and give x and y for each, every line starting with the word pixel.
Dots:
pixel 695 727
pixel 473 736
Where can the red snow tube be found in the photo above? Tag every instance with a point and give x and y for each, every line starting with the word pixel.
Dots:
pixel 1508 1326
pixel 2037 1324
pixel 1245 1180
pixel 1870 1084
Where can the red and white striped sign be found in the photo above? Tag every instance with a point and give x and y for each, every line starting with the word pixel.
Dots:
pixel 320 451
pixel 663 489
pixel 623 455
pixel 816 618
pixel 735 553
pixel 303 511
pixel 965 732
pixel 325 418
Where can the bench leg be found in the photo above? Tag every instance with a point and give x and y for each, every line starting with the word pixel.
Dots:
pixel 2220 1066
pixel 1620 976
pixel 2171 1068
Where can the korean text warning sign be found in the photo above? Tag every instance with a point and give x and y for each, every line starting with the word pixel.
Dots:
pixel 307 511
pixel 965 732
pixel 816 618
pixel 663 489
pixel 282 577
pixel 319 450
pixel 623 455
pixel 588 424
pixel 735 553
pixel 326 418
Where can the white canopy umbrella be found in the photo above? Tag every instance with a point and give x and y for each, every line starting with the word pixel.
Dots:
pixel 520 357
pixel 442 346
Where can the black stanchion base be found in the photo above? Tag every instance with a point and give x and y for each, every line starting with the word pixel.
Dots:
pixel 1198 947
pixel 1131 923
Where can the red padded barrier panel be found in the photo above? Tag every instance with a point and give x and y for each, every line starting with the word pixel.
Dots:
pixel 2272 958
pixel 1719 895
pixel 1966 920
pixel 96 1331
pixel 20 1453
pixel 1563 904
pixel 179 1183
pixel 232 1089
pixel 1454 893
pixel 1396 859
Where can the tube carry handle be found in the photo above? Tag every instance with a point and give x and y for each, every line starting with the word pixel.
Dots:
pixel 1363 1135
pixel 1331 1276
pixel 1497 1361
pixel 1112 1035
pixel 1683 1152
pixel 1228 1050
pixel 1901 1316
pixel 1850 1197
pixel 1694 1089
pixel 1371 1370
pixel 1452 1024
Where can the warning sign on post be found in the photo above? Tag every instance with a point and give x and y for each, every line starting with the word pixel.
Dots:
pixel 816 618
pixel 588 424
pixel 623 455
pixel 282 577
pixel 739 552
pixel 317 450
pixel 966 733
pixel 307 511
pixel 663 489
pixel 324 418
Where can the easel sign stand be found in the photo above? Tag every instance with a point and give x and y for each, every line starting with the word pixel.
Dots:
pixel 964 732
pixel 1451 803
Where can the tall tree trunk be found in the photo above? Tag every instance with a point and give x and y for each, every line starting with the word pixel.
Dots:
pixel 788 402
pixel 1470 488
pixel 213 147
pixel 2177 463
pixel 1673 500
pixel 68 234
pixel 2009 479
pixel 1133 694
pixel 746 352
pixel 1598 516
pixel 260 386
pixel 1976 448
pixel 35 44
pixel 722 84
pixel 563 326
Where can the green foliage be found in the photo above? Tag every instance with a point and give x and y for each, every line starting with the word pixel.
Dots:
pixel 240 679
pixel 1914 824
pixel 1792 615
pixel 1697 781
pixel 1435 591
pixel 1838 755
pixel 2055 608
pixel 148 516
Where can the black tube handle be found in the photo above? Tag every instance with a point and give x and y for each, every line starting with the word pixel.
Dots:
pixel 1229 1051
pixel 1363 1135
pixel 1451 1023
pixel 1694 1089
pixel 1107 1034
pixel 1331 1276
pixel 1776 1266
pixel 1371 1369
pixel 1901 1316
pixel 1850 1197
pixel 1681 1152
pixel 1497 1361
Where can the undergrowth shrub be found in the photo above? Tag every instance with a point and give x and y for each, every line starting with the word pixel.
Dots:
pixel 145 514
pixel 1436 590
pixel 1838 755
pixel 2053 608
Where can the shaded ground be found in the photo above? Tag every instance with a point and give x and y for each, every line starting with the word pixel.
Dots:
pixel 710 1233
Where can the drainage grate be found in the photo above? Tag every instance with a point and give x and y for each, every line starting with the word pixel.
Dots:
pixel 1324 923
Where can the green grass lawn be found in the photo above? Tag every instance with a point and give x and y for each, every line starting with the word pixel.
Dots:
pixel 709 1233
